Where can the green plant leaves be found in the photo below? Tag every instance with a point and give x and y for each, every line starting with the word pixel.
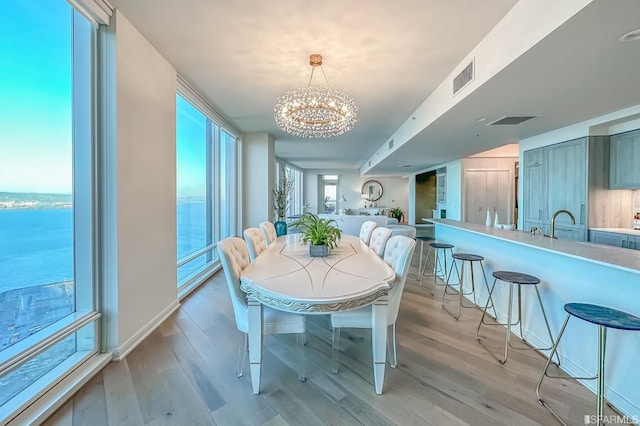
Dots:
pixel 318 231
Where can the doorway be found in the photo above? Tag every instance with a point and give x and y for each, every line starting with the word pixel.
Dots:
pixel 328 193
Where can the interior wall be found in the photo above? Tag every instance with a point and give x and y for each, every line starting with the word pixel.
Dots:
pixel 259 168
pixel 395 190
pixel 140 199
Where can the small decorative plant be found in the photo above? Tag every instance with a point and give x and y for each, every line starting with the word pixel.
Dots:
pixel 318 231
pixel 397 213
pixel 281 195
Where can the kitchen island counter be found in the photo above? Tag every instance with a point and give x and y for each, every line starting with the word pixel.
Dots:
pixel 569 271
pixel 614 257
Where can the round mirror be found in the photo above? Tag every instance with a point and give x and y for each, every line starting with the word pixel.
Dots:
pixel 372 190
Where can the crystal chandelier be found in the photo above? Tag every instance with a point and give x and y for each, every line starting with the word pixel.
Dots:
pixel 315 111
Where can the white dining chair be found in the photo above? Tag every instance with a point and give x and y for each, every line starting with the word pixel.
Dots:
pixel 366 229
pixel 269 230
pixel 378 240
pixel 397 253
pixel 234 257
pixel 256 242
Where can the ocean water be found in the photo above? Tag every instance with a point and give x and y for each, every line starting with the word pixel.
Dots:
pixel 36 245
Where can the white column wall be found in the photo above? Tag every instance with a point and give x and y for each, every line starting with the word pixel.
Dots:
pixel 258 170
pixel 140 188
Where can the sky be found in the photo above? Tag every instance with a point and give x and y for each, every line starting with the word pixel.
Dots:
pixel 191 135
pixel 36 104
pixel 35 96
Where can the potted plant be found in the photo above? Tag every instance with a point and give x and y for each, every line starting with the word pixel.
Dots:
pixel 319 233
pixel 281 202
pixel 397 213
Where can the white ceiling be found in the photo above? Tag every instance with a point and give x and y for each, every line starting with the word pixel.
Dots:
pixel 390 56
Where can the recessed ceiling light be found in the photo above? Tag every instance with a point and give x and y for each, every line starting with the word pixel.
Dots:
pixel 405 165
pixel 481 119
pixel 630 36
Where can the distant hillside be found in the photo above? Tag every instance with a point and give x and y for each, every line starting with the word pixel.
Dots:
pixel 28 200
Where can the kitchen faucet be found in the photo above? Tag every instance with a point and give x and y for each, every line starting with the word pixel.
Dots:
pixel 553 221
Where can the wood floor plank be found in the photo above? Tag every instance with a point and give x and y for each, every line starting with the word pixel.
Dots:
pixel 184 373
pixel 90 405
pixel 122 407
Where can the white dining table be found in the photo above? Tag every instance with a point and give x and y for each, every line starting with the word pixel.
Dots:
pixel 285 277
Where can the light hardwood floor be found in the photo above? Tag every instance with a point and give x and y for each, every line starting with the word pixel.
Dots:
pixel 184 374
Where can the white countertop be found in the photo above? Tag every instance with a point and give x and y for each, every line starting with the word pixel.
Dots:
pixel 627 231
pixel 615 257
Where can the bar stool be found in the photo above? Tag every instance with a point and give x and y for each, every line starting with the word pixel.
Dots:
pixel 422 240
pixel 518 279
pixel 470 259
pixel 437 247
pixel 604 318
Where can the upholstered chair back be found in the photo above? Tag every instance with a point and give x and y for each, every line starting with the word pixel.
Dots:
pixel 366 229
pixel 234 257
pixel 378 240
pixel 398 253
pixel 256 242
pixel 269 230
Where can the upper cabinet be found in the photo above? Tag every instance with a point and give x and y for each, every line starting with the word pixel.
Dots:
pixel 555 178
pixel 441 187
pixel 624 171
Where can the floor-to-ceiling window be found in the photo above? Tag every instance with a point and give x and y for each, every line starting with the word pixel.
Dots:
pixel 294 204
pixel 48 318
pixel 206 189
pixel 328 193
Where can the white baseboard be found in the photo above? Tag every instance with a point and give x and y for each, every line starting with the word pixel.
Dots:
pixel 123 350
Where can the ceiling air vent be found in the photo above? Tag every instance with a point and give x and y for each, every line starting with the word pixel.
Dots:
pixel 390 144
pixel 511 119
pixel 465 77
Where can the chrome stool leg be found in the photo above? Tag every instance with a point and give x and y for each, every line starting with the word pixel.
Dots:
pixel 604 317
pixel 519 279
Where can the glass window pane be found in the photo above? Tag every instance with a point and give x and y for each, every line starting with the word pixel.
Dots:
pixel 36 167
pixel 53 362
pixel 191 177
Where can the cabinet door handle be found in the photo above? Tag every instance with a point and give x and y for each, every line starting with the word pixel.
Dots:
pixel 582 211
pixel 540 214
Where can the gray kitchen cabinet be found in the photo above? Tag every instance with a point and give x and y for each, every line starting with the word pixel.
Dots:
pixel 634 242
pixel 555 178
pixel 608 238
pixel 534 188
pixel 441 187
pixel 615 239
pixel 624 159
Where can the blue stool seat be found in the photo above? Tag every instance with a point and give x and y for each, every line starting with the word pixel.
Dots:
pixel 468 256
pixel 441 245
pixel 604 318
pixel 425 238
pixel 516 277
pixel 600 315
